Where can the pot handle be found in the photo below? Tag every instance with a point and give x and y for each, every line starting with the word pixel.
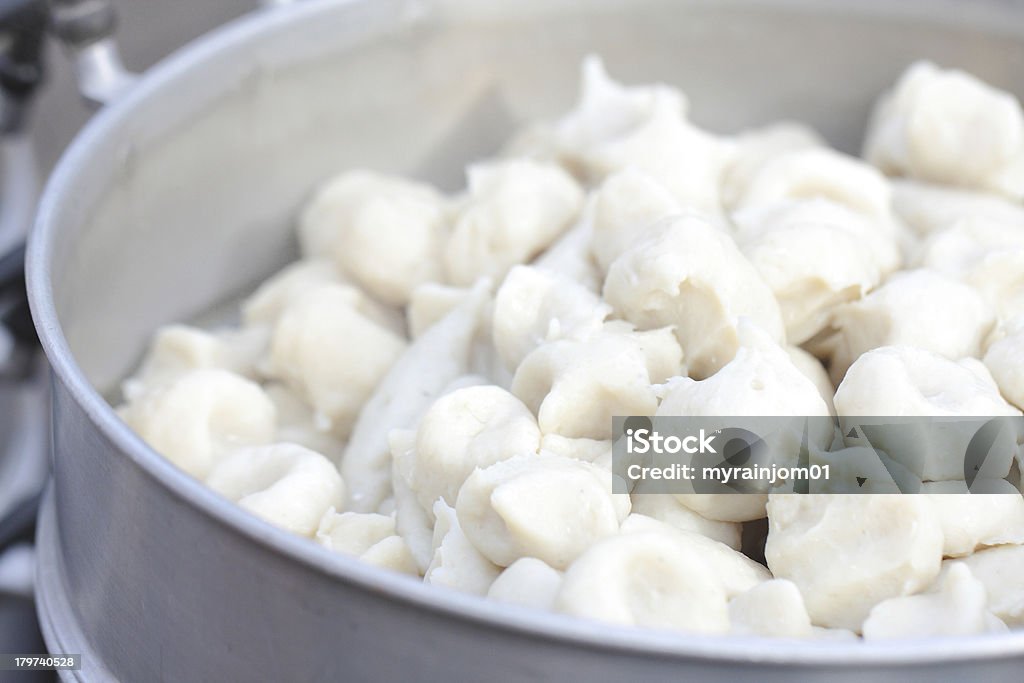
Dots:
pixel 86 29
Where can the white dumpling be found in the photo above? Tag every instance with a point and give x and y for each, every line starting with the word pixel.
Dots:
pixel 687 161
pixel 1001 571
pixel 756 148
pixel 332 354
pixel 654 576
pixel 848 553
pixel 615 127
pixel 818 172
pixel 413 523
pixel 352 533
pixel 956 608
pixel 597 451
pixel 369 536
pixel 735 571
pixel 985 254
pixel 971 521
pixel 760 380
pixel 534 306
pixel 813 370
pixel 297 423
pixel 427 368
pixel 527 582
pixel 687 273
pixel 622 261
pixel 645 579
pixel 948 127
pixel 456 563
pixel 290 284
pixel 625 205
pixel 1005 360
pixel 570 256
pixel 515 210
pixel 814 255
pixel 918 382
pixel 286 484
pixel 959 248
pixel 772 609
pixel 668 509
pixel 201 416
pixel 575 387
pixel 178 349
pixel 539 506
pixel 919 308
pixel 908 382
pixel 607 110
pixel 467 429
pixel 928 209
pixel 661 350
pixel 385 232
pixel 395 242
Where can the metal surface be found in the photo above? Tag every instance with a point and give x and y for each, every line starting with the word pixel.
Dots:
pixel 101 75
pixel 86 28
pixel 182 194
pixel 148 30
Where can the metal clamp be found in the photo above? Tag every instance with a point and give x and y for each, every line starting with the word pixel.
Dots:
pixel 86 28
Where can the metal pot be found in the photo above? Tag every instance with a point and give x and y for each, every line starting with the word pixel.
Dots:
pixel 180 196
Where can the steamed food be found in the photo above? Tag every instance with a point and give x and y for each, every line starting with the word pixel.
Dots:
pixel 430 388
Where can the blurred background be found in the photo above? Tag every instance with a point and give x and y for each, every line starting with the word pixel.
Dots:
pixel 147 31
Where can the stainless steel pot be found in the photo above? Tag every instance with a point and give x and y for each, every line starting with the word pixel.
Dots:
pixel 181 195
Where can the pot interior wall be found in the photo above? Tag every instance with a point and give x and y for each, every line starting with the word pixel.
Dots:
pixel 187 197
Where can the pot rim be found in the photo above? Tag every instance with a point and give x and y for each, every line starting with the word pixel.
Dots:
pixel 75 162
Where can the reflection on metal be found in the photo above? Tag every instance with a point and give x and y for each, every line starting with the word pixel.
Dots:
pixel 102 77
pixel 86 28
